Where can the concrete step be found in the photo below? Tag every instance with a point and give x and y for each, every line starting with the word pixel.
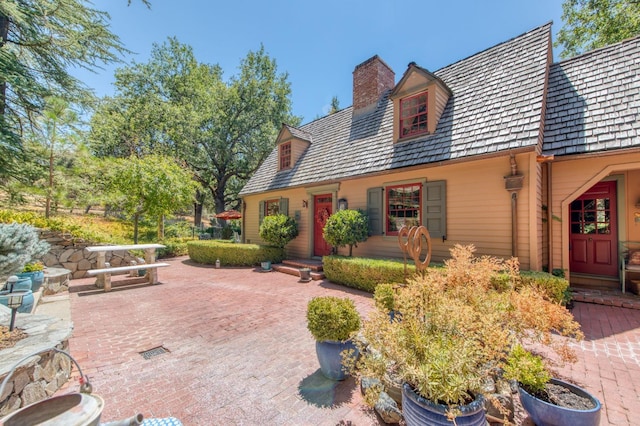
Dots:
pixel 292 270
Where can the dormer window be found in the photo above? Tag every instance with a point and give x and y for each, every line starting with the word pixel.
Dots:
pixel 285 155
pixel 413 115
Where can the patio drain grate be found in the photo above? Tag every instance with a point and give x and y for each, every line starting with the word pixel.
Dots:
pixel 154 352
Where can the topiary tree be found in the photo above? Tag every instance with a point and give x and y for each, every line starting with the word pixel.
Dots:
pixel 346 227
pixel 19 244
pixel 278 230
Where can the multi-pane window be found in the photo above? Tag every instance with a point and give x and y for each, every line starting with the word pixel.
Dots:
pixel 413 115
pixel 285 155
pixel 591 216
pixel 403 207
pixel 271 207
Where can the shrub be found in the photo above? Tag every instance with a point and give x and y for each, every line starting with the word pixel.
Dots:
pixel 19 244
pixel 227 232
pixel 346 228
pixel 174 247
pixel 33 267
pixel 528 369
pixel 332 318
pixel 230 253
pixel 278 230
pixel 364 274
pixel 457 328
pixel 553 287
pixel 384 297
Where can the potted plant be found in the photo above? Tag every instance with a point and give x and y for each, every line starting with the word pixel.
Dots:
pixel 384 297
pixel 458 325
pixel 277 230
pixel 305 275
pixel 549 401
pixel 34 271
pixel 19 244
pixel 333 321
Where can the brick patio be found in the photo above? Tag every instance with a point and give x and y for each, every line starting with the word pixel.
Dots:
pixel 239 351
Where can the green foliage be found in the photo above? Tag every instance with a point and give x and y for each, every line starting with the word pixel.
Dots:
pixel 332 318
pixel 153 185
pixel 528 369
pixel 591 24
pixel 222 128
pixel 232 254
pixel 227 232
pixel 553 287
pixel 364 274
pixel 41 41
pixel 19 244
pixel 33 267
pixel 384 297
pixel 457 328
pixel 346 228
pixel 278 230
pixel 174 247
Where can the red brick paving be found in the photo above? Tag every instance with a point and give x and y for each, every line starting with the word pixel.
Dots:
pixel 239 350
pixel 240 353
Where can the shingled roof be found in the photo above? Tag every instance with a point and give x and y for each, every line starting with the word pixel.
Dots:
pixel 496 106
pixel 594 101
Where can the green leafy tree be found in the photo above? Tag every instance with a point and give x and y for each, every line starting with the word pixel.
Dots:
pixel 335 105
pixel 278 230
pixel 153 185
pixel 590 24
pixel 40 41
pixel 222 129
pixel 346 228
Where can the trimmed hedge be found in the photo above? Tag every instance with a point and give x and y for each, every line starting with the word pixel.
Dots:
pixel 362 273
pixel 365 274
pixel 556 288
pixel 232 254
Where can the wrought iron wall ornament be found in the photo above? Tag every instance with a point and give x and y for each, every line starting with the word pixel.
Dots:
pixel 414 244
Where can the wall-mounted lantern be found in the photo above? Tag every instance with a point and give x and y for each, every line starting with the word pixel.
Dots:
pixel 342 204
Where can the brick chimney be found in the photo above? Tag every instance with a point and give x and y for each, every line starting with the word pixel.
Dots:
pixel 371 79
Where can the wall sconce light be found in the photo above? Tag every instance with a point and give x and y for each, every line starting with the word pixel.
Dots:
pixel 305 204
pixel 342 204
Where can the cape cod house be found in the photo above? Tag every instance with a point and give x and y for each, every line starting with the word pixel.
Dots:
pixel 505 150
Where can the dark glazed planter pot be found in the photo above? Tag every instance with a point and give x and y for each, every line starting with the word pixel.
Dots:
pixel 37 278
pixel 418 411
pixel 544 414
pixel 328 352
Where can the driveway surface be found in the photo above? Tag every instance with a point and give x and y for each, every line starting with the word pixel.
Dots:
pixel 238 351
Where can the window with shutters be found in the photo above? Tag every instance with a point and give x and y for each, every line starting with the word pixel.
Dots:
pixel 403 207
pixel 412 204
pixel 273 206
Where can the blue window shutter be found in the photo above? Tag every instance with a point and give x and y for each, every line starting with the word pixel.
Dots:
pixel 375 203
pixel 434 215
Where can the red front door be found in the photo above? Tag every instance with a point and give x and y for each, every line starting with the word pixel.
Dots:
pixel 593 233
pixel 322 210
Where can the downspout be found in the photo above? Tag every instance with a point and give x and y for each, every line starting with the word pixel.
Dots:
pixel 513 184
pixel 244 217
pixel 547 160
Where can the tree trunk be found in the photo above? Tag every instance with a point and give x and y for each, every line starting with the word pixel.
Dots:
pixel 135 228
pixel 161 227
pixel 4 32
pixel 197 213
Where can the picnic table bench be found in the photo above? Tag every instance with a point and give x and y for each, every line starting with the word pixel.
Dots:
pixel 103 271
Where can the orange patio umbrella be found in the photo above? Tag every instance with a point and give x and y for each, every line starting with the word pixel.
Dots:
pixel 229 215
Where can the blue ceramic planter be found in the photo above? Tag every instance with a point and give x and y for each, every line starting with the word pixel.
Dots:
pixel 23 283
pixel 37 278
pixel 328 352
pixel 545 414
pixel 27 300
pixel 418 411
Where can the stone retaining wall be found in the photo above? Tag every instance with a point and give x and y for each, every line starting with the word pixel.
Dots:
pixel 69 253
pixel 37 380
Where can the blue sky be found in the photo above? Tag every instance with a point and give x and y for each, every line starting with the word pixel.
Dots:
pixel 319 43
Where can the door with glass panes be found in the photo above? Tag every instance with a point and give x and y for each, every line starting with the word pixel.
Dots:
pixel 593 243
